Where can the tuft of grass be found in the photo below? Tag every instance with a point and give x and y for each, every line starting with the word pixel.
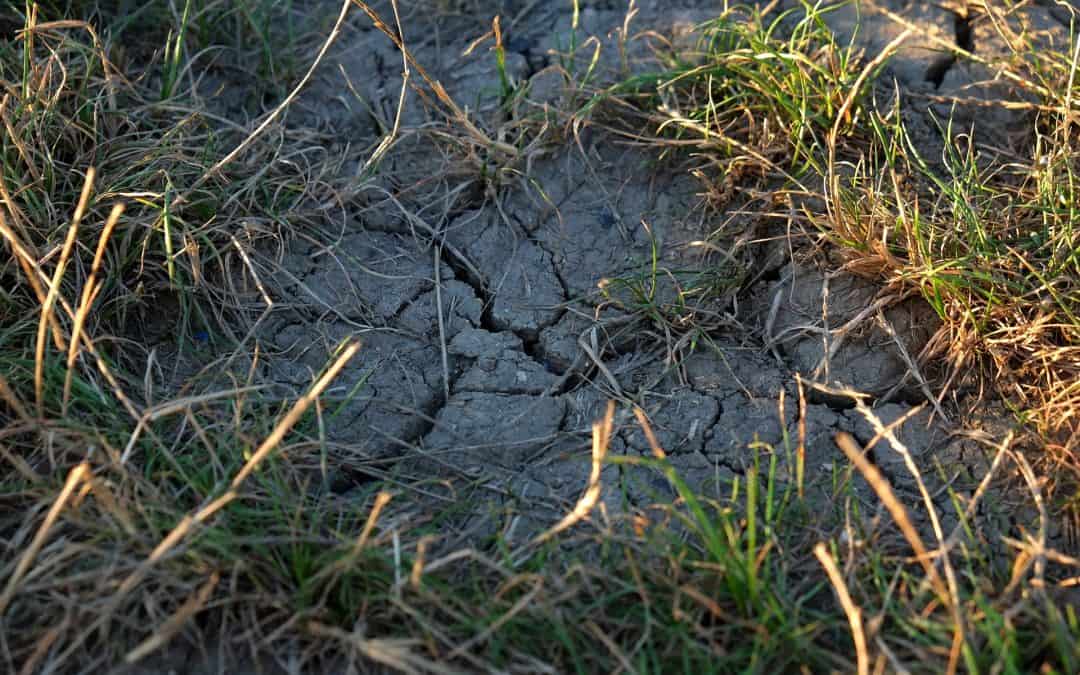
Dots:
pixel 988 237
pixel 758 100
pixel 173 56
pixel 164 40
pixel 110 212
pixel 991 239
pixel 769 103
pixel 758 93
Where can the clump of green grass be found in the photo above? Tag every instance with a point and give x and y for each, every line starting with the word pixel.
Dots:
pixel 756 101
pixel 994 253
pixel 758 93
pixel 259 39
pixel 991 244
pixel 990 239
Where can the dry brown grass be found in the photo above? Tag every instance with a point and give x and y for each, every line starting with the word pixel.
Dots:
pixel 130 523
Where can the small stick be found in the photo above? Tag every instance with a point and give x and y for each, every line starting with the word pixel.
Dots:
pixel 846 443
pixel 90 292
pixel 854 614
pixel 913 367
pixel 54 292
pixel 442 322
pixel 657 449
pixel 800 463
pixel 74 479
pixel 601 433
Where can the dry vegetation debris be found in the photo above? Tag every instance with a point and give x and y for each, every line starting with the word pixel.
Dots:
pixel 308 355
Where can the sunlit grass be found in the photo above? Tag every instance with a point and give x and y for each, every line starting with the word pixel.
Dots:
pixel 132 520
pixel 992 241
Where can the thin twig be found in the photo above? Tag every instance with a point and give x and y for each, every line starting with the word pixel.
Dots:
pixel 854 614
pixel 77 476
pixel 846 443
pixel 601 437
pixel 90 292
pixel 276 112
pixel 441 320
pixel 54 292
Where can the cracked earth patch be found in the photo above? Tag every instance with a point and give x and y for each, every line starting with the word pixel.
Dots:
pixel 497 318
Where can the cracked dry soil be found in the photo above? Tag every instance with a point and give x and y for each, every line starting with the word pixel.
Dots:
pixel 488 347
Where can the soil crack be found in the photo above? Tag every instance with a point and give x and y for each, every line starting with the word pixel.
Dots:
pixel 965 40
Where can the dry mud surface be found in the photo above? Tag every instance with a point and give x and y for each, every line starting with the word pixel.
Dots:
pixel 489 346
